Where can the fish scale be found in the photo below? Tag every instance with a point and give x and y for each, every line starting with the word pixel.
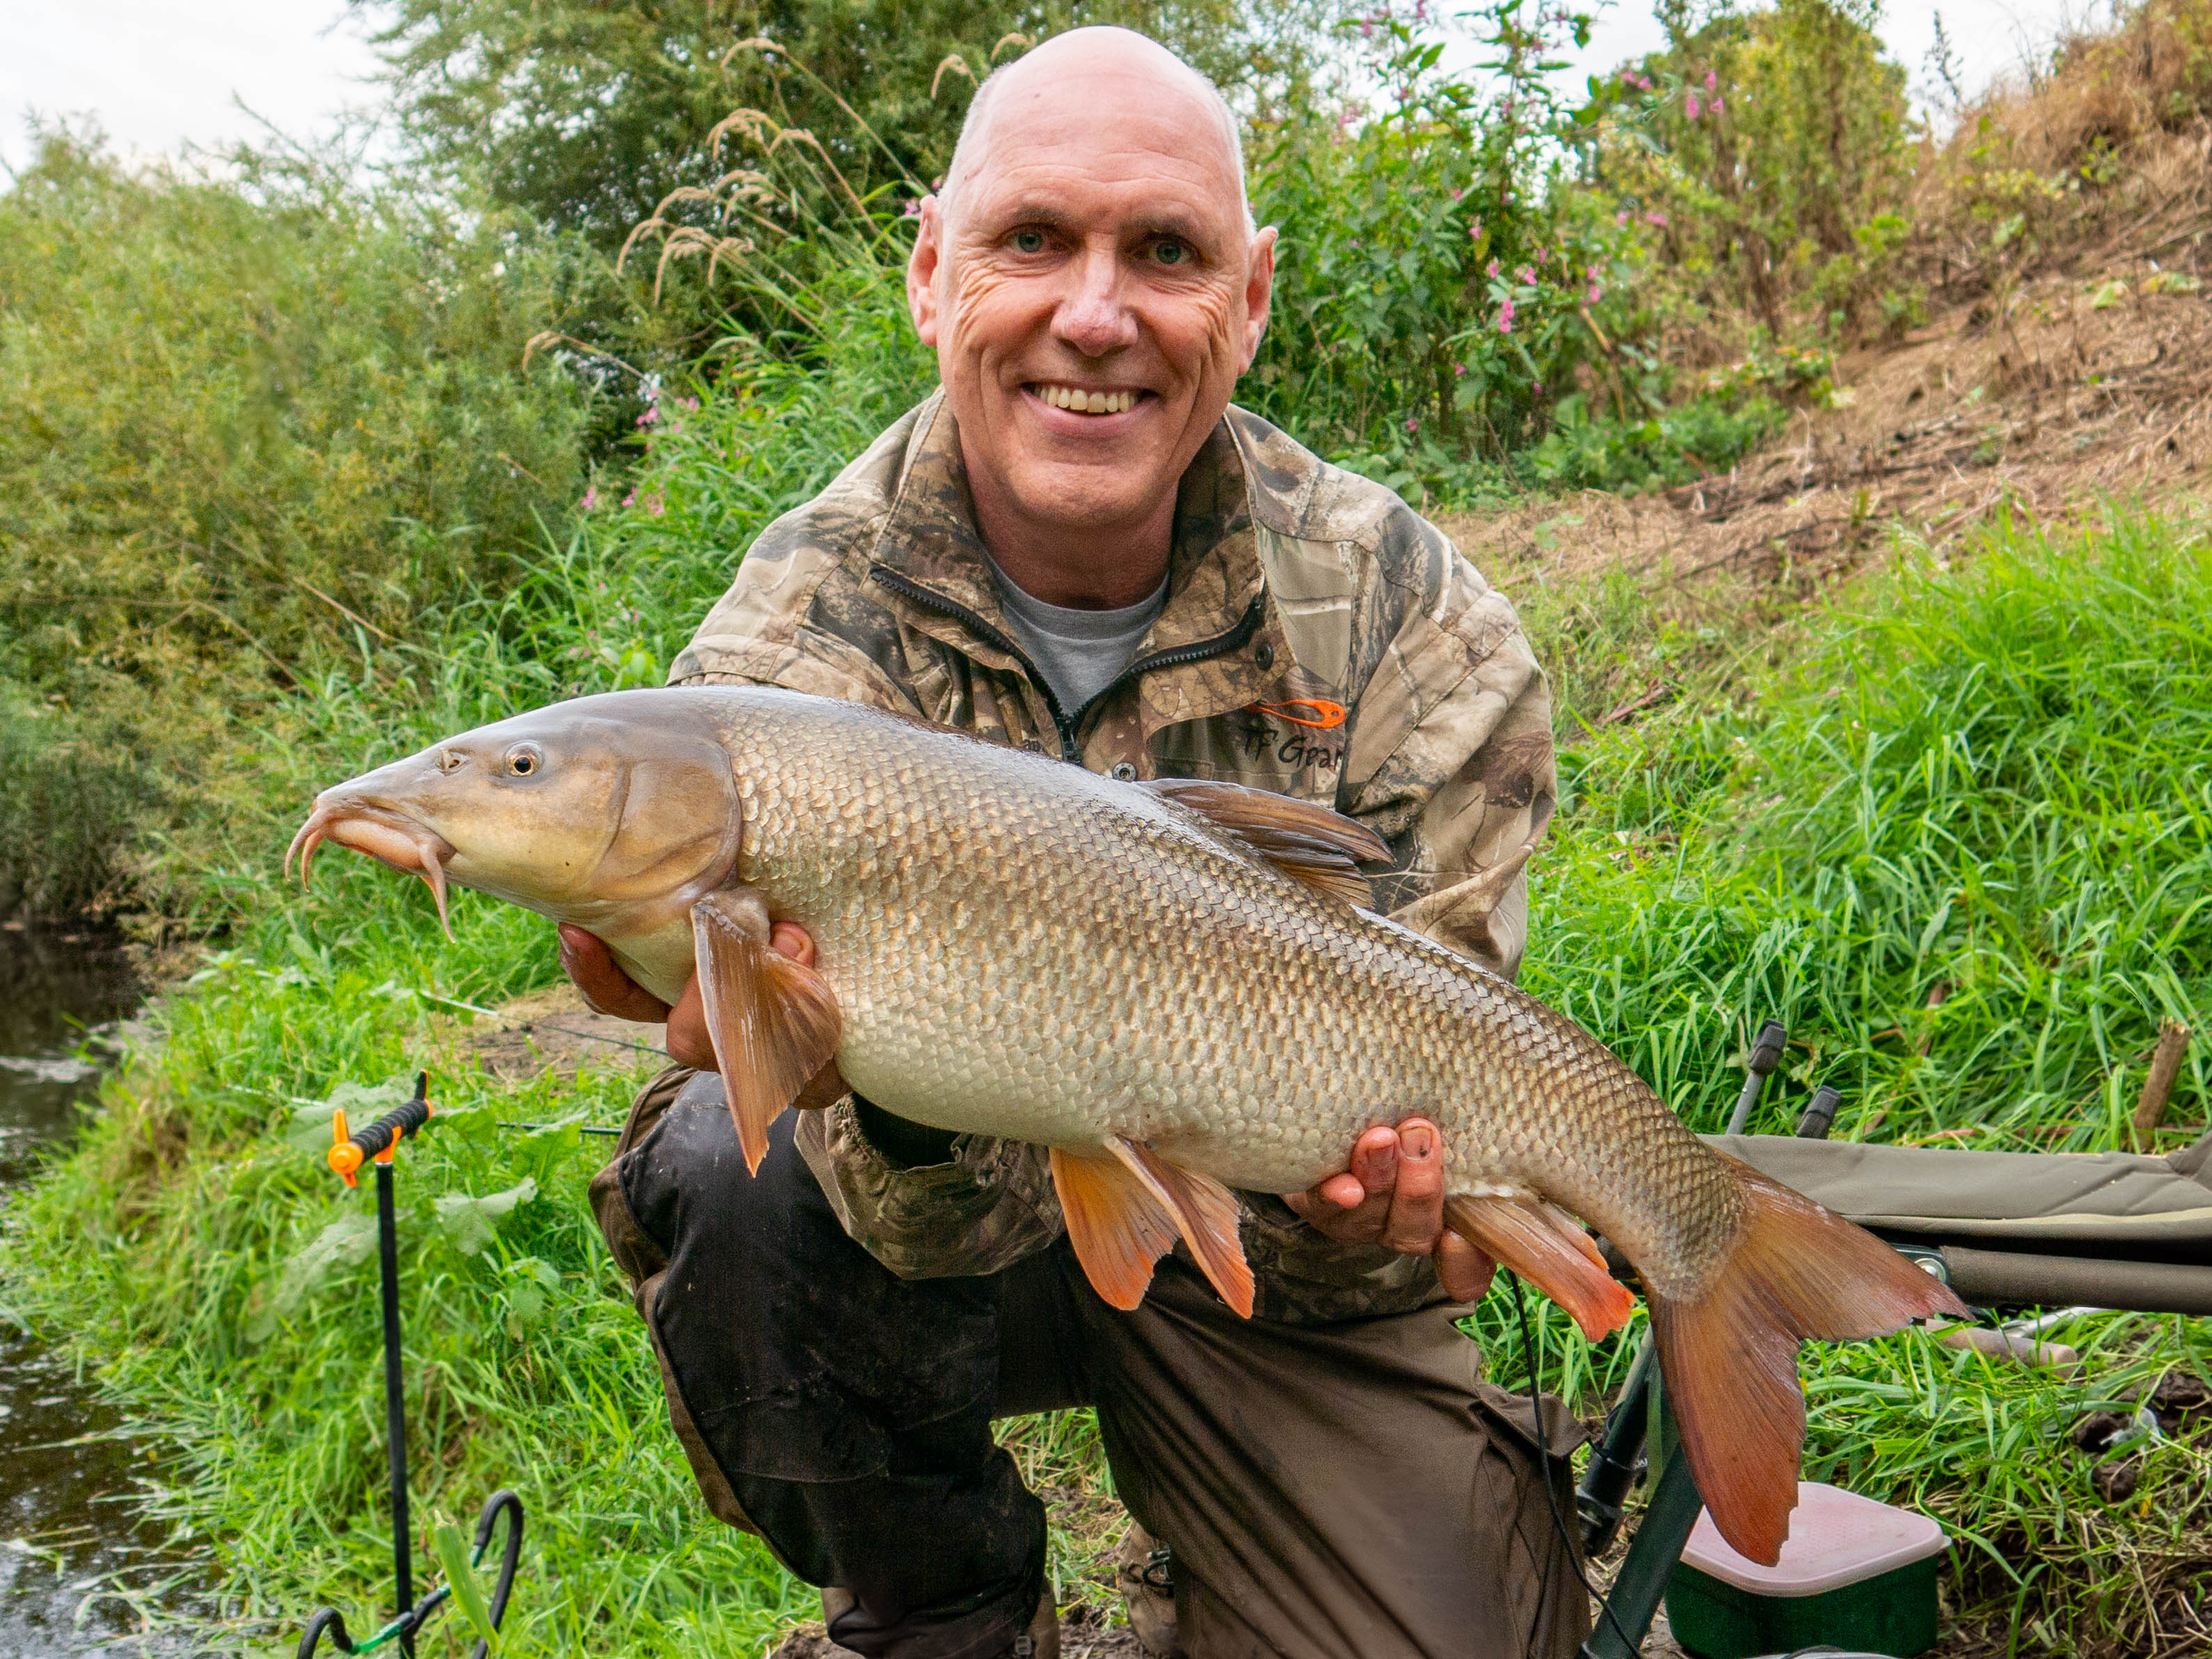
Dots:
pixel 1056 956
pixel 1169 986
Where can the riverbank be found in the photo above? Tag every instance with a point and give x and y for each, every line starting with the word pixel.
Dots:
pixel 1992 773
pixel 85 1563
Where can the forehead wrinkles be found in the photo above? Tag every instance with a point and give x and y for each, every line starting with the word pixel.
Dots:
pixel 1158 134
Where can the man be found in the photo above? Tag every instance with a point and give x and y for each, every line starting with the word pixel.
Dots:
pixel 1079 547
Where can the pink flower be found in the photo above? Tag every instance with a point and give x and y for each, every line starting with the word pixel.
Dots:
pixel 1505 317
pixel 650 415
pixel 1716 106
pixel 1524 276
pixel 1457 194
pixel 1690 105
pixel 591 499
pixel 690 403
pixel 911 209
pixel 1656 217
pixel 1413 426
pixel 1474 230
pixel 1591 298
pixel 630 500
pixel 1621 217
pixel 1712 81
pixel 1459 368
pixel 1491 269
pixel 653 505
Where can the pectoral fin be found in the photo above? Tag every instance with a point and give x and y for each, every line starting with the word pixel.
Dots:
pixel 774 1023
pixel 1117 1220
pixel 1548 1251
pixel 1206 1214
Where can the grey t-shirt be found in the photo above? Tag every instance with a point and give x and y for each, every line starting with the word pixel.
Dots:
pixel 1079 652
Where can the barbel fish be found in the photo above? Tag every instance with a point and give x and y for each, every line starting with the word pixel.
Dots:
pixel 1172 986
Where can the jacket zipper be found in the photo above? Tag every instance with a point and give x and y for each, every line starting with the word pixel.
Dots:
pixel 1180 656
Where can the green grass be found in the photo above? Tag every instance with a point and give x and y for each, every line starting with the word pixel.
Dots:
pixel 1997 777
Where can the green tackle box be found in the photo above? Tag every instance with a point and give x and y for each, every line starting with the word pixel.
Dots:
pixel 1855 1575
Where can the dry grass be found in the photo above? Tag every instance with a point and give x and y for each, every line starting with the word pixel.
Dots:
pixel 2068 390
pixel 2103 156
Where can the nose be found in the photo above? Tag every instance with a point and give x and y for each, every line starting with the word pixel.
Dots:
pixel 1094 317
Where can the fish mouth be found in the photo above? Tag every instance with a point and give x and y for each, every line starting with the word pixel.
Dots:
pixel 386 836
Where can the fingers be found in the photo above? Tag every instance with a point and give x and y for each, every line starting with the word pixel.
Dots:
pixel 1464 1271
pixel 1416 1215
pixel 1375 1161
pixel 690 1042
pixel 1343 1192
pixel 790 940
pixel 1352 1206
pixel 592 968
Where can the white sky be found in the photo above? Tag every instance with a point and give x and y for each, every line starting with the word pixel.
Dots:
pixel 158 75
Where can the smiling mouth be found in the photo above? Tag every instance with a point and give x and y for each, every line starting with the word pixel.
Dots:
pixel 1080 400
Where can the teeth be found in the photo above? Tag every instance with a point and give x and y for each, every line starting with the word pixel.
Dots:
pixel 1087 403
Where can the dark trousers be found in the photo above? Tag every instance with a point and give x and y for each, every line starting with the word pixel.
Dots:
pixel 1348 1491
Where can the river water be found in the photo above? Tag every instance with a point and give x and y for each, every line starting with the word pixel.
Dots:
pixel 79 1573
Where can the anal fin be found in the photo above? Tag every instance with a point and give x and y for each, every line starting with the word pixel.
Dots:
pixel 1205 1213
pixel 773 1022
pixel 1548 1251
pixel 1117 1220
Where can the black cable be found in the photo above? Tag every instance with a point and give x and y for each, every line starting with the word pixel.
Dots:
pixel 1550 1496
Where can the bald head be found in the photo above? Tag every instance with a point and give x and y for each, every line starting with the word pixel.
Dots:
pixel 1093 286
pixel 1093 63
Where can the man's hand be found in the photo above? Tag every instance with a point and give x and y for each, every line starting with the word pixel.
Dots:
pixel 592 968
pixel 1394 1195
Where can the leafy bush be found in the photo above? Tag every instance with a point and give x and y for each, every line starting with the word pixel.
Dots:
pixel 255 421
pixel 74 799
pixel 259 415
pixel 1770 152
pixel 1705 436
pixel 586 116
pixel 1436 283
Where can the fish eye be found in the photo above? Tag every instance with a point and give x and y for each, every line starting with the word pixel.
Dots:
pixel 524 760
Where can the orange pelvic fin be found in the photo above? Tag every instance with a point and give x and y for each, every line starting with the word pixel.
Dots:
pixel 1550 1251
pixel 1730 1359
pixel 1118 1220
pixel 1205 1212
pixel 774 1023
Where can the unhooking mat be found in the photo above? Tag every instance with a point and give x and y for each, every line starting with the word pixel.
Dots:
pixel 2108 1230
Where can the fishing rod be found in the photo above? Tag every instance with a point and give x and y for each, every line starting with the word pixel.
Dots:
pixel 378 1142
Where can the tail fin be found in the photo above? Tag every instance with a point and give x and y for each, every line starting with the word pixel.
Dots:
pixel 1730 1359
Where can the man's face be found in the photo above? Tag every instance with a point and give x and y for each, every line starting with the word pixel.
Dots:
pixel 1091 291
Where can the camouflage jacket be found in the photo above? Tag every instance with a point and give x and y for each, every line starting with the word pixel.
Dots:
pixel 1319 640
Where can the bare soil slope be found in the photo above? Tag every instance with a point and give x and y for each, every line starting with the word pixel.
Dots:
pixel 2077 388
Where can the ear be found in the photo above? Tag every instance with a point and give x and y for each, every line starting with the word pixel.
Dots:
pixel 1259 291
pixel 921 268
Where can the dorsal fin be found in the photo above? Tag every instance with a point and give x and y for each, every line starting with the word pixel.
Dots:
pixel 1306 842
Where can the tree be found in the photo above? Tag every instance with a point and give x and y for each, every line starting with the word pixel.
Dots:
pixel 587 113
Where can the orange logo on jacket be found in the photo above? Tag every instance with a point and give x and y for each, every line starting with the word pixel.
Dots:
pixel 1322 716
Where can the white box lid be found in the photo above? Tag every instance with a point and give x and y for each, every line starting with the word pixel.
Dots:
pixel 1836 1538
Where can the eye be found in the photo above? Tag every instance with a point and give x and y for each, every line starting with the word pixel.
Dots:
pixel 1168 252
pixel 524 760
pixel 1028 242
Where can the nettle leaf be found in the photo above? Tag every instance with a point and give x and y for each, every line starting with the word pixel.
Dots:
pixel 346 1243
pixel 529 1282
pixel 471 1223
